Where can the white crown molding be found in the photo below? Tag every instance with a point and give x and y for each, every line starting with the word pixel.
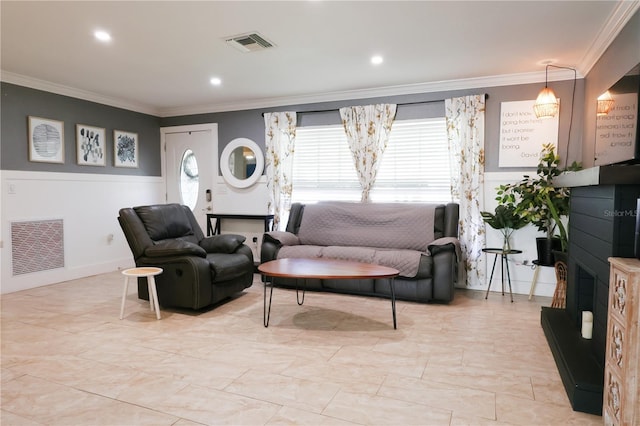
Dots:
pixel 616 22
pixel 407 89
pixel 34 83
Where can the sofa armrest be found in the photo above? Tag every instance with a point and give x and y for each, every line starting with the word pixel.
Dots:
pixel 445 273
pixel 268 251
pixel 444 244
pixel 282 238
pixel 452 214
pixel 446 256
pixel 168 248
pixel 273 241
pixel 225 243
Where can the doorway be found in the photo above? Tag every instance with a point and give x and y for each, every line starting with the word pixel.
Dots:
pixel 191 164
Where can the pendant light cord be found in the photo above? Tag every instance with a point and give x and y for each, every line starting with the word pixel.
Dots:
pixel 573 98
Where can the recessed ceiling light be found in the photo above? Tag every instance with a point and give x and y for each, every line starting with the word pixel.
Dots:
pixel 215 81
pixel 376 60
pixel 102 35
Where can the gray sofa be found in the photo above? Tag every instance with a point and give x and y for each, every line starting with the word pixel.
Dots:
pixel 420 240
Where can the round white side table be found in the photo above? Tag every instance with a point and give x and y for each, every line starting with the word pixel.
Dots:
pixel 149 273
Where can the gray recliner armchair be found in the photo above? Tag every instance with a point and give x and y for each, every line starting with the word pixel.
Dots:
pixel 198 271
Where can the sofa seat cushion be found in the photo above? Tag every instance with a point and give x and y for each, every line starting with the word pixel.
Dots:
pixel 225 266
pixel 408 262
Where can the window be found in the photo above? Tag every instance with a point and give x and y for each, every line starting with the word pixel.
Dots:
pixel 189 179
pixel 414 168
pixel 322 166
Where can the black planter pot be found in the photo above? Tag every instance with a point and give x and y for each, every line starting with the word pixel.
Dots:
pixel 560 256
pixel 545 247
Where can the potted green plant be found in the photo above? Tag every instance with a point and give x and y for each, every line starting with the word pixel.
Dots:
pixel 506 220
pixel 541 203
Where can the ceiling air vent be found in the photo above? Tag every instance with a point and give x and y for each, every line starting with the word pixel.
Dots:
pixel 250 42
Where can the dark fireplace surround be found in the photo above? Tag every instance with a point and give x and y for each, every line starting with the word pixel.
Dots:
pixel 601 225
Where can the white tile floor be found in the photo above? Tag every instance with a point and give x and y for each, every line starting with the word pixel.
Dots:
pixel 68 360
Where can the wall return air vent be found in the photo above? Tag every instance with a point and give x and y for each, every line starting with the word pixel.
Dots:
pixel 249 42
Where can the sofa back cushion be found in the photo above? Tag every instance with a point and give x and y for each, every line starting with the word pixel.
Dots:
pixel 387 225
pixel 165 221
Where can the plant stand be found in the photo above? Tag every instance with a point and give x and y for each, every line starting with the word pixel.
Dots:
pixel 504 264
pixel 534 281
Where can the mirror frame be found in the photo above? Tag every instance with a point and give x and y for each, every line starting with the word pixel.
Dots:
pixel 226 155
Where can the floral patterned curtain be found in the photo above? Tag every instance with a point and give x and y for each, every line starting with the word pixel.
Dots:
pixel 367 128
pixel 465 132
pixel 280 135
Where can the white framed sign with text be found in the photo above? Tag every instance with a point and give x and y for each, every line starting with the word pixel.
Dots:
pixel 522 134
pixel 616 131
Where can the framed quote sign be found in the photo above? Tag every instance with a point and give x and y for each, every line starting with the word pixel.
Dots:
pixel 522 134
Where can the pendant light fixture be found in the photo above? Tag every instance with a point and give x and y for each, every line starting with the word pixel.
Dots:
pixel 605 103
pixel 547 104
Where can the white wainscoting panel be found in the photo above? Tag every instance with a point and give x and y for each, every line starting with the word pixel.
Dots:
pixel 88 204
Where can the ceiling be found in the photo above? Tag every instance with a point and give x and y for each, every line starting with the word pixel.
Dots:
pixel 163 54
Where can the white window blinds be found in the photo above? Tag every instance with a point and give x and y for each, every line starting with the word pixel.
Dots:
pixel 322 166
pixel 414 168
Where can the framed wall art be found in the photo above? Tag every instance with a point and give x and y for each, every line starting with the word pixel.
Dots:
pixel 46 140
pixel 90 145
pixel 125 149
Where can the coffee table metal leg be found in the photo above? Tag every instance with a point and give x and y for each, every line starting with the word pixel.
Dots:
pixel 393 301
pixel 267 312
pixel 304 290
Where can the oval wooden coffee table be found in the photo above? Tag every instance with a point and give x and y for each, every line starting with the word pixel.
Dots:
pixel 323 269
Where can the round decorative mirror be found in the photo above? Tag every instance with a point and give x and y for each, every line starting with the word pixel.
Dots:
pixel 241 163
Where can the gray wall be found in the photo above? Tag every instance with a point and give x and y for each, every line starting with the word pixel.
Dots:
pixel 622 55
pixel 18 103
pixel 250 123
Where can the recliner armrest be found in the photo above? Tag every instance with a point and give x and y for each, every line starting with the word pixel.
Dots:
pixel 225 243
pixel 174 248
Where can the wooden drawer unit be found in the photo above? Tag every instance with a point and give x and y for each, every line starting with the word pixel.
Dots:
pixel 621 405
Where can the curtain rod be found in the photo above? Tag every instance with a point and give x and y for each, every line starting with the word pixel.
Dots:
pixel 317 111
